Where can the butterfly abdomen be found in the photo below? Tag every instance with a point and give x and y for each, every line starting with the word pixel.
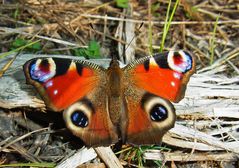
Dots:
pixel 114 92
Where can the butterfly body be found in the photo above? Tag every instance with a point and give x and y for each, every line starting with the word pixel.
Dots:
pixel 103 106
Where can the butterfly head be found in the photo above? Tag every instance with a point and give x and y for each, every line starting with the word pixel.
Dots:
pixel 114 64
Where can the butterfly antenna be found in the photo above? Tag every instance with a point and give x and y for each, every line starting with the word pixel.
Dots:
pixel 114 57
pixel 137 29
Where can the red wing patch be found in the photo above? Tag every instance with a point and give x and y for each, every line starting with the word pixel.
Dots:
pixel 88 119
pixel 143 127
pixel 165 75
pixel 61 82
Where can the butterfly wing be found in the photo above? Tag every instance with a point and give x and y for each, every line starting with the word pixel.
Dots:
pixel 74 86
pixel 165 75
pixel 149 118
pixel 61 82
pixel 88 119
pixel 152 81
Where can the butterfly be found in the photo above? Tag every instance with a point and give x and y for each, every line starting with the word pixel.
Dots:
pixel 104 105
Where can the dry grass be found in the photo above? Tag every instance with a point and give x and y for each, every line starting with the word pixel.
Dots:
pixel 208 29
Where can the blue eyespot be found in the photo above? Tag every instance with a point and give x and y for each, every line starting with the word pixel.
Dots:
pixel 40 72
pixel 188 62
pixel 38 75
pixel 158 113
pixel 180 61
pixel 79 119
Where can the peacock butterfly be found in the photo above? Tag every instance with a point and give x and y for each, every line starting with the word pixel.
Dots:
pixel 103 106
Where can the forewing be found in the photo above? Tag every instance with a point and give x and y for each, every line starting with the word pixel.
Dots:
pixel 78 88
pixel 165 75
pixel 60 81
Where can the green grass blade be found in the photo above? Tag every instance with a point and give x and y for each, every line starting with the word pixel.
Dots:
pixel 212 41
pixel 150 30
pixel 17 49
pixel 168 23
pixel 165 28
pixel 47 165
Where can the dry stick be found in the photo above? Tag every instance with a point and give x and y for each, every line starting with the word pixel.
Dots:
pixel 205 4
pixel 89 11
pixel 108 156
pixel 194 141
pixel 150 28
pixel 23 122
pixel 222 60
pixel 196 49
pixel 105 28
pixel 6 66
pixel 197 37
pixel 119 34
pixel 24 152
pixel 233 66
pixel 181 143
pixel 6 139
pixel 121 41
pixel 203 137
pixel 21 138
pixel 223 33
pixel 6 18
pixel 161 22
pixel 212 14
pixel 129 38
pixel 10 30
pixel 17 147
pixel 226 131
pixel 82 156
pixel 187 6
pixel 92 165
pixel 61 23
pixel 184 157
